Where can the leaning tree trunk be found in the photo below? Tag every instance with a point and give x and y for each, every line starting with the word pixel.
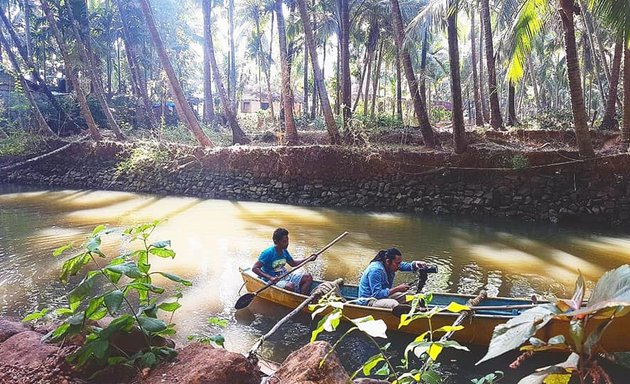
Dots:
pixel 70 72
pixel 473 54
pixel 331 126
pixel 377 76
pixel 41 122
pixel 346 85
pixel 459 131
pixel 496 121
pixel 582 135
pixel 419 105
pixel 208 102
pixel 373 38
pixel 183 108
pixel 63 115
pixel 399 112
pixel 86 54
pixel 361 79
pixel 625 129
pixel 485 112
pixel 609 121
pixel 287 94
pixel 238 136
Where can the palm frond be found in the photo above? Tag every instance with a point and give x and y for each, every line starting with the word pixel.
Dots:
pixel 526 27
pixel 615 14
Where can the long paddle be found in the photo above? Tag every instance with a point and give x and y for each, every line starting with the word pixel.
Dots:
pixel 402 309
pixel 247 298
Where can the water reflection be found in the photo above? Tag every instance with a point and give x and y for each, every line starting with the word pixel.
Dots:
pixel 213 238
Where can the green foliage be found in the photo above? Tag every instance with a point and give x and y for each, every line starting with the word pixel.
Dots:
pixel 146 156
pixel 490 378
pixel 610 299
pixel 425 347
pixel 558 120
pixel 519 162
pixel 122 289
pixel 440 114
pixel 20 143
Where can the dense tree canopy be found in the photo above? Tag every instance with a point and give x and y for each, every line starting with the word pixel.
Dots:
pixel 149 65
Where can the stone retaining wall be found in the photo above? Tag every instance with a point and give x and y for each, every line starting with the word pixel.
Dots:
pixel 421 182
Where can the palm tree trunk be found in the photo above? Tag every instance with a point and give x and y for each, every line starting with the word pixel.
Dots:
pixel 208 99
pixel 41 122
pixel 183 108
pixel 346 88
pixel 423 64
pixel 232 60
pixel 473 49
pixel 305 82
pixel 399 112
pixel 625 130
pixel 86 54
pixel 268 72
pixel 582 135
pixel 377 76
pixel 333 132
pixel 70 72
pixel 287 94
pixel 27 29
pixel 419 105
pixel 512 120
pixel 609 121
pixel 361 80
pixel 459 131
pixel 485 112
pixel 496 121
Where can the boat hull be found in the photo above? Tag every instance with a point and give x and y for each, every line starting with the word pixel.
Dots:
pixel 477 329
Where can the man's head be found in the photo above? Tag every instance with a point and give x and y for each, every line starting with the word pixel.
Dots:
pixel 391 259
pixel 281 238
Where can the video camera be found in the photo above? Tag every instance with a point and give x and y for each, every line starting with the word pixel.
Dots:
pixel 429 269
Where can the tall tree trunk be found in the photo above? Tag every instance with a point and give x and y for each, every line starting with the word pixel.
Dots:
pixel 361 80
pixel 377 76
pixel 71 73
pixel 496 121
pixel 419 105
pixel 423 64
pixel 512 120
pixel 609 121
pixel 625 129
pixel 41 122
pixel 333 132
pixel 314 95
pixel 305 81
pixel 232 60
pixel 268 72
pixel 346 88
pixel 588 18
pixel 582 135
pixel 137 75
pixel 473 50
pixel 399 112
pixel 63 115
pixel 86 54
pixel 459 131
pixel 27 30
pixel 208 99
pixel 183 108
pixel 287 94
pixel 482 78
pixel 238 136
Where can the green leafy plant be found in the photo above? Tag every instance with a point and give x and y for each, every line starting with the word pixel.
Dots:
pixel 610 299
pixel 519 162
pixel 145 156
pixel 123 289
pixel 490 378
pixel 214 340
pixel 426 346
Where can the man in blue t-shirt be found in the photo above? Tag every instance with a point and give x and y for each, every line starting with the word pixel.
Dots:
pixel 271 264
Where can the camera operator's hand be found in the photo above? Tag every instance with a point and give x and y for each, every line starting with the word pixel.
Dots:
pixel 404 287
pixel 420 265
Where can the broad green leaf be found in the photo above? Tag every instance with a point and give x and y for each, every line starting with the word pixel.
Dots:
pixel 370 364
pixel 453 344
pixel 456 308
pixel 374 328
pixel 148 359
pixel 129 269
pixel 113 300
pixel 218 322
pixel 612 291
pixel 63 311
pixel 323 323
pixel 383 370
pixel 161 244
pixel 431 377
pixel 151 325
pixel 563 368
pixel 80 292
pixel 332 321
pixel 162 252
pixel 434 351
pixel 121 323
pixel 73 265
pixel 98 229
pixel 93 243
pixel 99 348
pixel 518 330
pixel 36 315
pixel 144 287
pixel 93 307
pixel 558 378
pixel 450 328
pixel 59 251
pixel 170 307
pixel 176 278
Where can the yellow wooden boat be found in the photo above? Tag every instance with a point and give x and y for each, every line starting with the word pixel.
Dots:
pixel 477 329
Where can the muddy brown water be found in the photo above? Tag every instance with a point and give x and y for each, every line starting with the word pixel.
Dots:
pixel 213 238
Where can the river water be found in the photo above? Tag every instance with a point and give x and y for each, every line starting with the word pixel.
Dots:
pixel 213 238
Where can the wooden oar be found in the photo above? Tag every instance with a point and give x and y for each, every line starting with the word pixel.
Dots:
pixel 402 309
pixel 247 298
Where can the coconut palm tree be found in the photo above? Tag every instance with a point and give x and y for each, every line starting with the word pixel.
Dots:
pixel 496 121
pixel 181 104
pixel 287 93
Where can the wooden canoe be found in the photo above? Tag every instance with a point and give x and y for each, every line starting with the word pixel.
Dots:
pixel 477 329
